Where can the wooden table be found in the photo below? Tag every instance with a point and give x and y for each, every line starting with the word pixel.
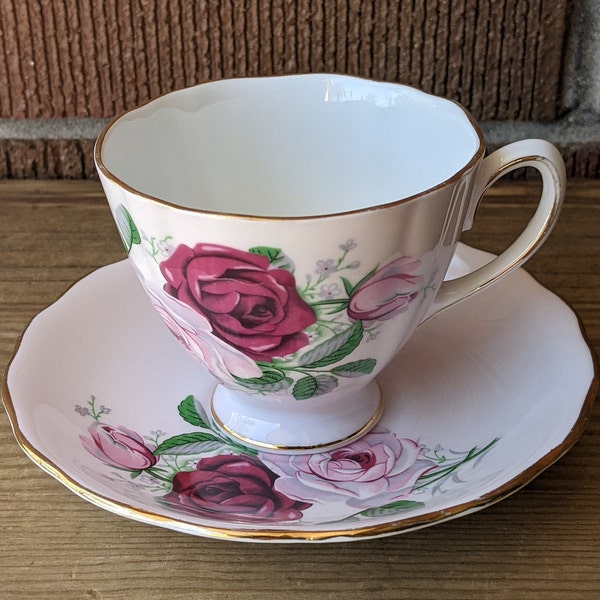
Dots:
pixel 543 542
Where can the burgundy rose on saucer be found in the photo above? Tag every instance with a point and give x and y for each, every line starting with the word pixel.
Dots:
pixel 250 306
pixel 373 471
pixel 229 486
pixel 388 292
pixel 118 447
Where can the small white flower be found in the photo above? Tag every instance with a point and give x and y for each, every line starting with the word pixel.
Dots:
pixel 349 245
pixel 326 267
pixel 329 291
pixel 164 248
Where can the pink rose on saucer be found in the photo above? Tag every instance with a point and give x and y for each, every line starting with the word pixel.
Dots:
pixel 195 334
pixel 232 487
pixel 118 447
pixel 388 292
pixel 373 471
pixel 248 305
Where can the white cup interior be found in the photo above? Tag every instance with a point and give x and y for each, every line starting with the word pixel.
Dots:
pixel 289 146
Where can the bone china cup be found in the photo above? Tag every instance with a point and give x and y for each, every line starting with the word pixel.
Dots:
pixel 292 232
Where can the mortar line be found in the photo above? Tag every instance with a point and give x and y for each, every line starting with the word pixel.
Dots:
pixel 577 128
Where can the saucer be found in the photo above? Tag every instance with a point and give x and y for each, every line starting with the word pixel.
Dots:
pixel 482 399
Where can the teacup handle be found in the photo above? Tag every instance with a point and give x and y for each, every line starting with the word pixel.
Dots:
pixel 544 157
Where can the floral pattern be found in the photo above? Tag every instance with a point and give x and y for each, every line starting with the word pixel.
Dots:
pixel 375 470
pixel 195 334
pixel 232 485
pixel 260 330
pixel 118 447
pixel 387 293
pixel 250 306
pixel 203 473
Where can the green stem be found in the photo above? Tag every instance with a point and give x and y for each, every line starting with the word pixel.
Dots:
pixel 329 302
pixel 154 473
pixel 312 287
pixel 327 325
pixel 95 414
pixel 433 477
pixel 341 259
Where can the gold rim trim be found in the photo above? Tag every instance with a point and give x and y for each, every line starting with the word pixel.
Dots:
pixel 315 447
pixel 394 527
pixel 551 218
pixel 106 172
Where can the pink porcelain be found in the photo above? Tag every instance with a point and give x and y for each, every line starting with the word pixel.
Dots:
pixel 481 399
pixel 293 232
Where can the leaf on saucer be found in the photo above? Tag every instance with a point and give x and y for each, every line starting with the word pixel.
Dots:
pixel 393 508
pixel 186 443
pixel 189 413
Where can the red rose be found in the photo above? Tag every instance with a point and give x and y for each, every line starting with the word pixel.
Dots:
pixel 236 486
pixel 255 309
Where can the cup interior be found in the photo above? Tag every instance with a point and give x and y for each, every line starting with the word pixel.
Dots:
pixel 295 146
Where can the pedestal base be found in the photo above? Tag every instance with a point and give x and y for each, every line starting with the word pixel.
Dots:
pixel 290 426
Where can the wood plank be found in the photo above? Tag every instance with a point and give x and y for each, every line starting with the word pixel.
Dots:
pixel 541 542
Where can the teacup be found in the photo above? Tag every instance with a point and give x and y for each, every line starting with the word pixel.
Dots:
pixel 293 232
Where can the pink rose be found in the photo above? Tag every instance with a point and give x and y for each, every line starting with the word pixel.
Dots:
pixel 387 292
pixel 195 334
pixel 118 447
pixel 373 471
pixel 251 307
pixel 240 487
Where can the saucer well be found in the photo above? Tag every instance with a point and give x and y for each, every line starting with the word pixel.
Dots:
pixel 482 399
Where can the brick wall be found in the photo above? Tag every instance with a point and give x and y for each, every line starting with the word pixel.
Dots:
pixel 68 65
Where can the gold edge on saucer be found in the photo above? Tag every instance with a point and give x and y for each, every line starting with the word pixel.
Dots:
pixel 399 526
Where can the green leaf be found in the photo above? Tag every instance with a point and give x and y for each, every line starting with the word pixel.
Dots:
pixel 325 383
pixel 271 253
pixel 127 228
pixel 340 308
pixel 310 386
pixel 334 349
pixel 185 443
pixel 305 388
pixel 439 474
pixel 365 279
pixel 347 286
pixel 270 381
pixel 356 368
pixel 189 413
pixel 266 378
pixel 391 509
pixel 277 258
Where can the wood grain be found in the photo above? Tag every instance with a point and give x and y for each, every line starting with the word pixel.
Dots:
pixel 543 542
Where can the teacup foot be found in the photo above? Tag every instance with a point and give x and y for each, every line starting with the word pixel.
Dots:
pixel 289 426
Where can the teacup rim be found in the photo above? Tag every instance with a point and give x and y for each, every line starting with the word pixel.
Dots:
pixel 110 176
